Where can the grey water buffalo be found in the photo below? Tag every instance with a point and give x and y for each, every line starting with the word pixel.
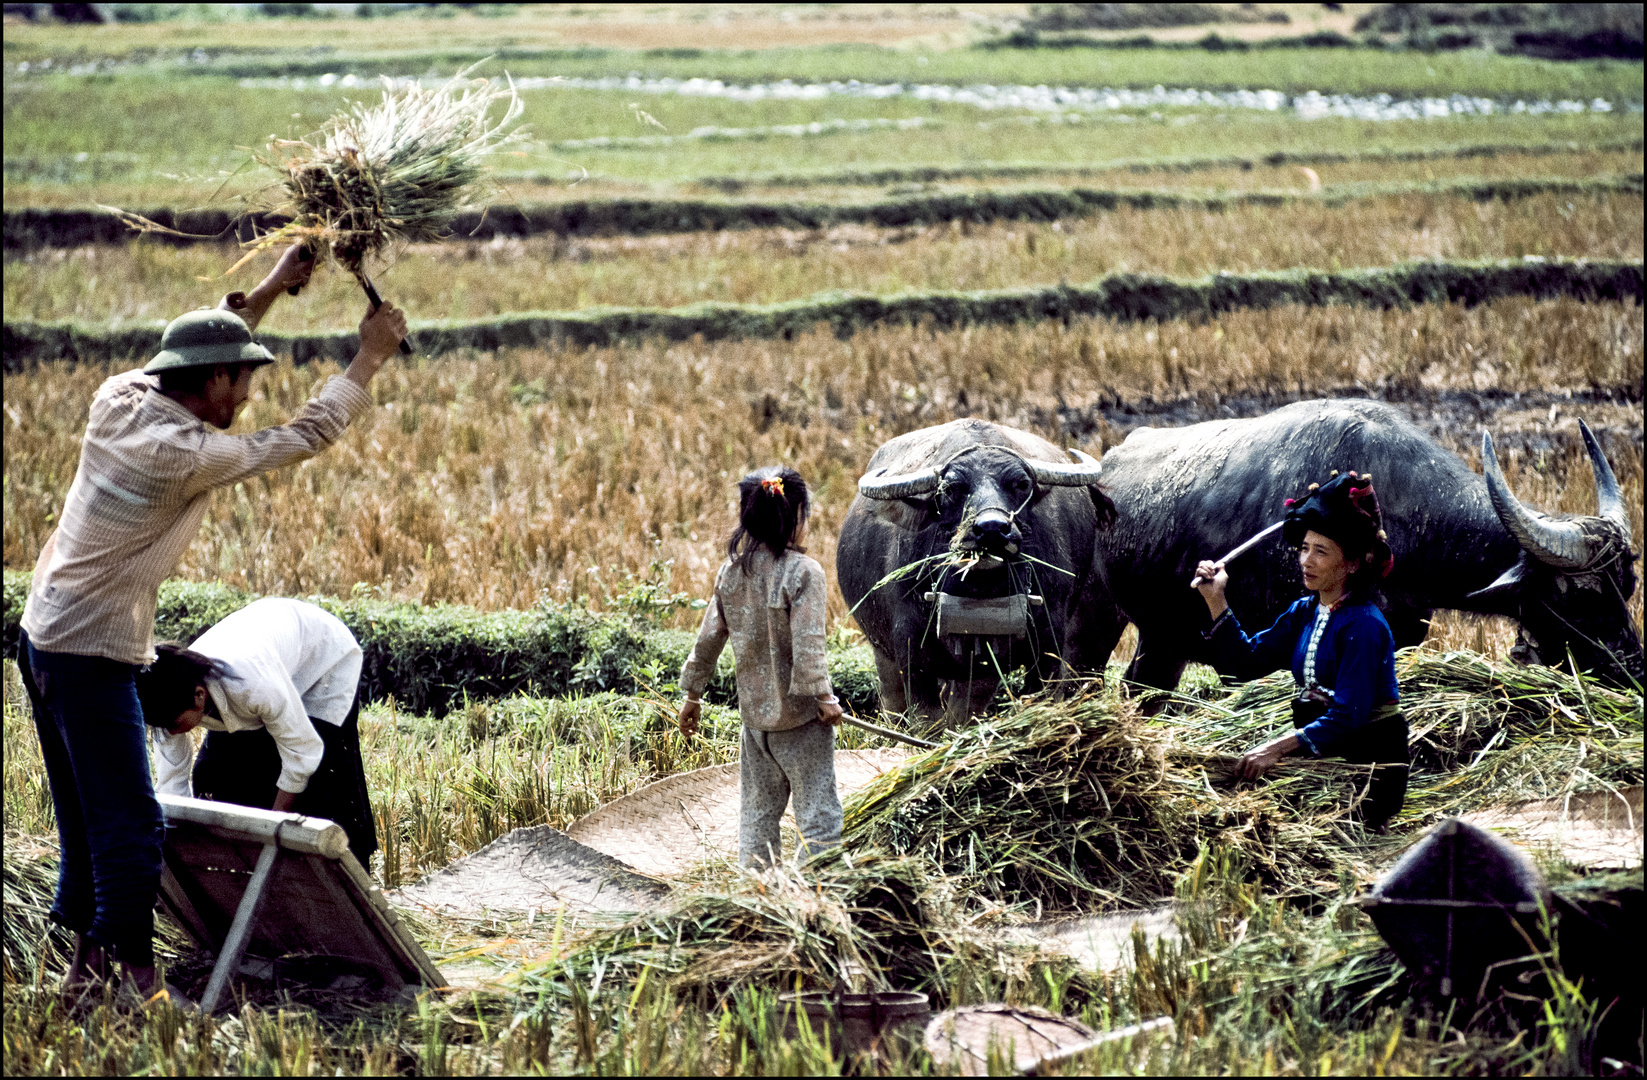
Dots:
pixel 968 553
pixel 1461 541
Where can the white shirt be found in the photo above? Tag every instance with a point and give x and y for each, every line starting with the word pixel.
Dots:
pixel 284 662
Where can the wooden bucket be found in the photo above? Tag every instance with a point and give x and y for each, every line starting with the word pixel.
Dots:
pixel 855 1023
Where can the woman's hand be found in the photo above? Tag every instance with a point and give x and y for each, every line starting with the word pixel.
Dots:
pixel 1260 760
pixel 690 712
pixel 1211 579
pixel 830 712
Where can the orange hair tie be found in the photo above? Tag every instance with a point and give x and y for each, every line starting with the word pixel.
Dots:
pixel 773 485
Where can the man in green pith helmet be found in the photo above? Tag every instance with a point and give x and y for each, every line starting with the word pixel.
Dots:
pixel 153 451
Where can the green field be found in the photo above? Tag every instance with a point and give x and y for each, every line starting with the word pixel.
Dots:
pixel 577 497
pixel 193 133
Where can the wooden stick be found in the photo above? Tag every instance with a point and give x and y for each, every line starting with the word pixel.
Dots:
pixel 240 933
pixel 1067 1052
pixel 889 733
pixel 377 302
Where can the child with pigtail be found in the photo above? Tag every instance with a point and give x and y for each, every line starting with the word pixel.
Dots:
pixel 769 601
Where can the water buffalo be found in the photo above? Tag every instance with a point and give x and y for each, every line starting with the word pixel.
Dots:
pixel 1461 541
pixel 972 512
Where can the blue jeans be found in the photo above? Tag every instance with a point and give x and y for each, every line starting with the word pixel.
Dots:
pixel 109 824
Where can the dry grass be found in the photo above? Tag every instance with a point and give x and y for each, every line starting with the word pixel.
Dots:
pixel 471 279
pixel 554 188
pixel 485 481
pixel 1231 179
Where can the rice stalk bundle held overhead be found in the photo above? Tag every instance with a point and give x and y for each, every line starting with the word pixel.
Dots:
pixel 395 173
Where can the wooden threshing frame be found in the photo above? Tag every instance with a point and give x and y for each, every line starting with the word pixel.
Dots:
pixel 272 887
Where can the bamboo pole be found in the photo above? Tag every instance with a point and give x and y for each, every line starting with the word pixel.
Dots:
pixel 293 832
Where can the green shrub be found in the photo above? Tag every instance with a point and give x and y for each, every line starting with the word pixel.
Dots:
pixel 436 659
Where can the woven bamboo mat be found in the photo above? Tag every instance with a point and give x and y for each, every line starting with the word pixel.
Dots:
pixel 1099 942
pixel 538 867
pixel 667 826
pixel 1599 829
pixel 963 1037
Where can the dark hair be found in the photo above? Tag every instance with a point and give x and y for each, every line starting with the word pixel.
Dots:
pixel 193 380
pixel 165 688
pixel 772 503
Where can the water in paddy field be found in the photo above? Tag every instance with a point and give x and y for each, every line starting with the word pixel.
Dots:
pixel 1312 105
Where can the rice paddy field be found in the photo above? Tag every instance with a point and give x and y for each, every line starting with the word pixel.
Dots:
pixel 598 481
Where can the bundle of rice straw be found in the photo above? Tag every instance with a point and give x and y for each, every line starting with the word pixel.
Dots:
pixel 32 939
pixel 890 921
pixel 1485 733
pixel 1080 804
pixel 395 173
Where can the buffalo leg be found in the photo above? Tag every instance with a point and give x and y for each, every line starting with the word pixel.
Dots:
pixel 1156 666
pixel 923 691
pixel 894 691
pixel 1408 626
pixel 1093 635
pixel 964 700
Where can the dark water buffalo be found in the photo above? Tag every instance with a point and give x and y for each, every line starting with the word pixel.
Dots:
pixel 1461 541
pixel 1014 507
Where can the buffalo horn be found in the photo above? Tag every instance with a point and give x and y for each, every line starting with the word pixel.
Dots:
pixel 1561 544
pixel 1609 503
pixel 901 486
pixel 1081 475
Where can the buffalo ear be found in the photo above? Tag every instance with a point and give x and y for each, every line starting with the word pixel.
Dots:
pixel 1507 587
pixel 1104 505
pixel 924 503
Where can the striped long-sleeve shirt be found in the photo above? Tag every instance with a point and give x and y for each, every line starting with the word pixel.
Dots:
pixel 147 467
pixel 774 616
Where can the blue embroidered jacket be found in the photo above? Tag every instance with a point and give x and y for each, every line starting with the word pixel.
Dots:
pixel 1355 661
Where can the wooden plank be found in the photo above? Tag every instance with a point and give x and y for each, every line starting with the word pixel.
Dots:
pixel 174 895
pixel 228 961
pixel 389 921
pixel 312 836
pixel 389 966
pixel 313 900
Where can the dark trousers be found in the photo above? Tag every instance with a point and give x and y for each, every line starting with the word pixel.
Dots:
pixel 109 824
pixel 242 766
pixel 1381 742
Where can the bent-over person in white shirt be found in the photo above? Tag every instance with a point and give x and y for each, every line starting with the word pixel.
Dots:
pixel 276 686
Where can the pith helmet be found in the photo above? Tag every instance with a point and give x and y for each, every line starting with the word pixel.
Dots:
pixel 206 337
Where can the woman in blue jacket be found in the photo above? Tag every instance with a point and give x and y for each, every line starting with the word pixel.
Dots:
pixel 1335 640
